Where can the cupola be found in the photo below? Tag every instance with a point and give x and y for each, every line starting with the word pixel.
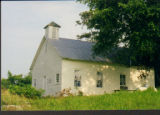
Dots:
pixel 52 31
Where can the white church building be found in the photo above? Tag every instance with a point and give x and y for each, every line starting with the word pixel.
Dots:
pixel 62 63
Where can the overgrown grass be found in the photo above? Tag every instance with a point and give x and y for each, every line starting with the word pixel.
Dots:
pixel 9 99
pixel 122 100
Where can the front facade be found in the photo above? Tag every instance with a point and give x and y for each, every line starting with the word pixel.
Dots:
pixel 59 65
pixel 47 65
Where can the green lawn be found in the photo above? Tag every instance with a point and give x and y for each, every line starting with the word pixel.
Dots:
pixel 122 100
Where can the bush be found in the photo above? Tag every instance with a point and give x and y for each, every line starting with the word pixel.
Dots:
pixel 27 80
pixel 19 80
pixel 27 91
pixel 20 85
pixel 65 92
pixel 5 83
pixel 80 93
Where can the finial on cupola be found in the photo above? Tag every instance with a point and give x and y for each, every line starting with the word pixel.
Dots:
pixel 52 30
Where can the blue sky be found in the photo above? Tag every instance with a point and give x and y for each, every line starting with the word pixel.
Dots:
pixel 22 29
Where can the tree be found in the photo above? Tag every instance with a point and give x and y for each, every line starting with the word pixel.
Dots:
pixel 133 23
pixel 19 80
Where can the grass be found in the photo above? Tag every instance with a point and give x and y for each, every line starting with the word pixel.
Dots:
pixel 122 100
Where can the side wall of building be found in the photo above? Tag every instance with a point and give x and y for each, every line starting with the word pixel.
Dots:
pixel 111 77
pixel 136 82
pixel 47 65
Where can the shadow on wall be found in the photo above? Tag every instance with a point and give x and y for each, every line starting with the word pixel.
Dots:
pixel 141 78
pixel 111 80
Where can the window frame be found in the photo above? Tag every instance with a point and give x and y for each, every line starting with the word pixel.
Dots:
pixel 57 78
pixel 77 78
pixel 123 78
pixel 99 81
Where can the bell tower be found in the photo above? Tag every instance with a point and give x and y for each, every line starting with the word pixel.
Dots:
pixel 52 31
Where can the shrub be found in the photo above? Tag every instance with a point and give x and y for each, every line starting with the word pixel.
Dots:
pixel 5 83
pixel 65 92
pixel 20 85
pixel 80 93
pixel 27 91
pixel 27 80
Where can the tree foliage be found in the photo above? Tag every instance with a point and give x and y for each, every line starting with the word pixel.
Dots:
pixel 133 23
pixel 19 80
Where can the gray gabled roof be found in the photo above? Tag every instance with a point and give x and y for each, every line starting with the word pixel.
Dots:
pixel 82 50
pixel 76 49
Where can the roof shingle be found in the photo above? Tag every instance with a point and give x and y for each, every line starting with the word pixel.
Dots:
pixel 76 49
pixel 82 50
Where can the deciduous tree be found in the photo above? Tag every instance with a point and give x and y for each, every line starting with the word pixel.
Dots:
pixel 135 24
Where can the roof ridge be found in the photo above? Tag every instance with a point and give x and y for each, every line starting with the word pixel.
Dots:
pixel 76 40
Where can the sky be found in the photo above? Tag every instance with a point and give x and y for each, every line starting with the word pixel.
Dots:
pixel 22 29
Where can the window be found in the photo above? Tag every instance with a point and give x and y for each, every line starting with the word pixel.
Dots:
pixel 77 82
pixel 57 78
pixel 99 79
pixel 77 79
pixel 122 80
pixel 34 82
